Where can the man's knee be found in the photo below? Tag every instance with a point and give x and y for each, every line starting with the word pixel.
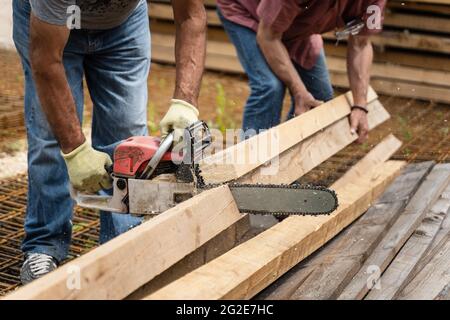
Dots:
pixel 271 88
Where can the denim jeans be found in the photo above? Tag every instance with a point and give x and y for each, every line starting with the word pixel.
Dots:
pixel 264 106
pixel 115 64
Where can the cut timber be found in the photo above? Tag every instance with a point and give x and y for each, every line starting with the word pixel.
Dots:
pixel 214 248
pixel 399 88
pixel 432 280
pixel 328 271
pixel 306 155
pixel 117 268
pixel 408 221
pixel 399 272
pixel 244 157
pixel 397 39
pixel 396 72
pixel 247 269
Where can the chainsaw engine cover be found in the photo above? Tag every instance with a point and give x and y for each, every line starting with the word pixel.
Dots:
pixel 132 156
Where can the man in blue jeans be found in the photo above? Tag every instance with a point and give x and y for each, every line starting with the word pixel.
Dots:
pixel 108 43
pixel 279 46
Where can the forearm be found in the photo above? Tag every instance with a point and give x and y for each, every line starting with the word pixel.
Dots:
pixel 280 63
pixel 190 51
pixel 58 105
pixel 359 62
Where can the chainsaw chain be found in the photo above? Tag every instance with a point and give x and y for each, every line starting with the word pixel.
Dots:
pixel 200 183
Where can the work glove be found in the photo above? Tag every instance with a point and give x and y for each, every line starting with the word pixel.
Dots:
pixel 87 169
pixel 181 115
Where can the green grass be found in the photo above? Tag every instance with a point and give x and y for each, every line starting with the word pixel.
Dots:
pixel 224 110
pixel 404 128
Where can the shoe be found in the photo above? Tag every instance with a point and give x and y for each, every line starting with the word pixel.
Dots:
pixel 35 266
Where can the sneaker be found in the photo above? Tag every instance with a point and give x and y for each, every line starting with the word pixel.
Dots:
pixel 35 266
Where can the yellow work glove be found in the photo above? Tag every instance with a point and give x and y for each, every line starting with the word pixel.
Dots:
pixel 86 168
pixel 181 115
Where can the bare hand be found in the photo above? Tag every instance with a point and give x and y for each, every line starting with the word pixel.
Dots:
pixel 304 103
pixel 360 125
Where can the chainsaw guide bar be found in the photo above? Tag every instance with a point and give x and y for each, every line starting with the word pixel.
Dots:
pixel 279 200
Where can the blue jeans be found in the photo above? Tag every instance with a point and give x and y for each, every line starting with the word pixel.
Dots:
pixel 115 64
pixel 264 106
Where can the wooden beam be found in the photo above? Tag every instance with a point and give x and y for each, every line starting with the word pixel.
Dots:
pixel 325 274
pixel 247 269
pixel 119 267
pixel 402 267
pixel 399 88
pixel 305 156
pixel 214 248
pixel 395 39
pixel 408 221
pixel 242 158
pixel 396 72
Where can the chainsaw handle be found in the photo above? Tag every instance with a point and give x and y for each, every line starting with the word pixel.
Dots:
pixel 164 147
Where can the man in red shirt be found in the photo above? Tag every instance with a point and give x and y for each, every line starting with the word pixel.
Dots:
pixel 279 46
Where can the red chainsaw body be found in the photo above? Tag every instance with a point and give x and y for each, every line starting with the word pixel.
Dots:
pixel 132 155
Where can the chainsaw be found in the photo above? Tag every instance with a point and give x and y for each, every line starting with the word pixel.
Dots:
pixel 150 177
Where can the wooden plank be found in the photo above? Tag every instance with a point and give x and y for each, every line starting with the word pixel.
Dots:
pixel 400 270
pixel 439 240
pixel 327 273
pixel 240 159
pixel 417 22
pixel 247 269
pixel 414 59
pixel 396 72
pixel 432 280
pixel 395 39
pixel 305 156
pixel 398 88
pixel 117 268
pixel 214 248
pixel 402 229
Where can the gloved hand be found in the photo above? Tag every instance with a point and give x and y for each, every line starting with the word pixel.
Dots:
pixel 86 168
pixel 181 115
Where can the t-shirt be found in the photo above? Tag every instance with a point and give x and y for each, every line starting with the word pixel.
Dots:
pixel 301 21
pixel 94 14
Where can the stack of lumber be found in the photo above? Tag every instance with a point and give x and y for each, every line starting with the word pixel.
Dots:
pixel 400 249
pixel 412 57
pixel 185 252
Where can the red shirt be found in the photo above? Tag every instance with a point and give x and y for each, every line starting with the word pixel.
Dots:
pixel 300 21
